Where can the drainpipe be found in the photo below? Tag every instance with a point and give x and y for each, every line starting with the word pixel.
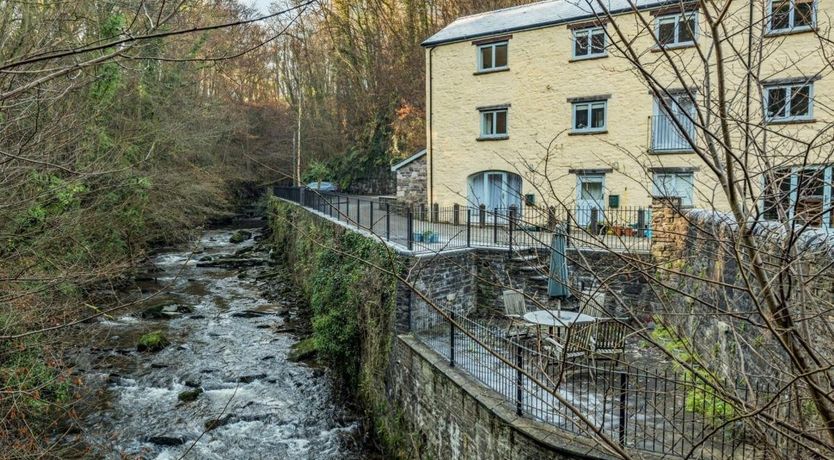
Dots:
pixel 430 151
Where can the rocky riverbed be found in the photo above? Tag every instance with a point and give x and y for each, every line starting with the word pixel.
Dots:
pixel 213 379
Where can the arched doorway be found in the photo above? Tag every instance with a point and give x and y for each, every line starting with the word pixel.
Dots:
pixel 494 189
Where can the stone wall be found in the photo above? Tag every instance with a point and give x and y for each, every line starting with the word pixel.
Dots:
pixel 704 295
pixel 618 274
pixel 411 182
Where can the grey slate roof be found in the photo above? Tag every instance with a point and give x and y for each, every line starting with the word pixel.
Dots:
pixel 532 16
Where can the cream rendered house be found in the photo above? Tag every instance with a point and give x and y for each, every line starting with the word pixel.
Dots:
pixel 538 105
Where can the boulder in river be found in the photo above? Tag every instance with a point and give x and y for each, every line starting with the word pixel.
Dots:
pixel 152 341
pixel 240 236
pixel 304 350
pixel 214 423
pixel 190 395
pixel 169 441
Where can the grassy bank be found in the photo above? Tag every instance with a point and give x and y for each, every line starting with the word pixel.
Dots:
pixel 352 304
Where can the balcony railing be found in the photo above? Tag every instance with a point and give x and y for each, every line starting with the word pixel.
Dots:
pixel 665 137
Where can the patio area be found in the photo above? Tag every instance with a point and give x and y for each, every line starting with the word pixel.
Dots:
pixel 637 399
pixel 433 230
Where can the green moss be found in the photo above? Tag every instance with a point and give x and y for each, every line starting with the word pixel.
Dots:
pixel 352 305
pixel 152 341
pixel 304 350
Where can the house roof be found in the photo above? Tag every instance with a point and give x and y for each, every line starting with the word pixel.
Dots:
pixel 408 160
pixel 533 16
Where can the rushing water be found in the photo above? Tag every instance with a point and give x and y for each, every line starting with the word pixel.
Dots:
pixel 226 340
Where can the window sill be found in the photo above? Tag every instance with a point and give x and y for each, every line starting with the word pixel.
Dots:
pixel 799 121
pixel 492 138
pixel 588 58
pixel 674 47
pixel 587 133
pixel 794 31
pixel 670 152
pixel 489 71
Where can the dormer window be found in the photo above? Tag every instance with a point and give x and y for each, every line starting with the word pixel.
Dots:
pixel 792 15
pixel 493 56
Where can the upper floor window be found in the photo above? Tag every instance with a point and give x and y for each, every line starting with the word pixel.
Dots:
pixel 677 29
pixel 787 15
pixel 589 117
pixel 492 56
pixel 673 125
pixel 589 42
pixel 494 124
pixel 789 102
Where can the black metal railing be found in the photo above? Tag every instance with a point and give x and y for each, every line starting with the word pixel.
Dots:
pixel 670 413
pixel 423 228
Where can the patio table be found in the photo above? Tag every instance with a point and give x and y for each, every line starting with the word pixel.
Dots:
pixel 557 319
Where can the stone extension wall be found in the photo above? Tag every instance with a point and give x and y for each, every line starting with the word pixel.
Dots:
pixel 411 182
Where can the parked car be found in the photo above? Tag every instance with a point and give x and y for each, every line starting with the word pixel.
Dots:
pixel 323 186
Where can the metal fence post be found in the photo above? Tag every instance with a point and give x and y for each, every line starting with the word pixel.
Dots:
pixel 301 196
pixel 388 221
pixel 347 210
pixel 519 377
pixel 495 226
pixel 409 228
pixel 452 339
pixel 511 225
pixel 371 223
pixel 623 403
pixel 358 213
pixel 456 216
pixel 468 227
pixel 482 215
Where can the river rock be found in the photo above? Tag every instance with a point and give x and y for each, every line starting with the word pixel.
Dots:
pixel 168 441
pixel 232 262
pixel 190 395
pixel 240 236
pixel 152 341
pixel 250 378
pixel 215 423
pixel 304 350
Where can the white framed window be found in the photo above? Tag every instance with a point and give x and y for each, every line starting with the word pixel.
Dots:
pixel 494 123
pixel 677 29
pixel 789 102
pixel 802 195
pixel 673 126
pixel 590 42
pixel 589 117
pixel 493 56
pixel 790 15
pixel 681 185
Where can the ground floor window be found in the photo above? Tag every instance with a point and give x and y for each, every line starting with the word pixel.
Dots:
pixel 800 194
pixel 494 189
pixel 677 184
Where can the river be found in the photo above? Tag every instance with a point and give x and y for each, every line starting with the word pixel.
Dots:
pixel 229 339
